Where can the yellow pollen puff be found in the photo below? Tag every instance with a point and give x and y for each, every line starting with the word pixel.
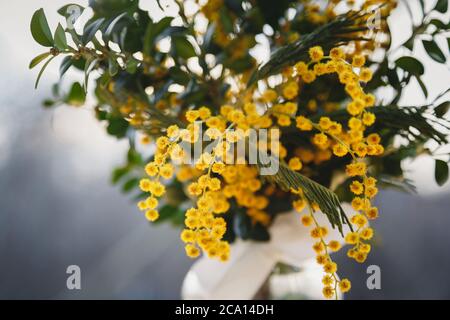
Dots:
pixel 340 150
pixel 322 259
pixel 330 267
pixel 192 115
pixel 328 292
pixel 299 205
pixel 187 235
pixel 284 120
pixel 157 189
pixel 145 184
pixel 151 202
pixel 303 123
pixel 320 139
pixel 306 220
pixel 368 118
pixel 318 247
pixel 269 95
pixel 366 233
pixel 359 220
pixel 327 280
pixel 295 164
pixel 290 91
pixel 204 113
pixel 162 142
pixel 309 76
pixel 316 53
pixel 334 245
pixel 173 131
pixel 351 238
pixel 325 123
pixel 372 213
pixel 166 171
pixel 192 251
pixel 337 54
pixel 345 285
pixel 358 61
pixel 301 67
pixel 195 189
pixel 357 187
pixel 365 75
pixel 151 215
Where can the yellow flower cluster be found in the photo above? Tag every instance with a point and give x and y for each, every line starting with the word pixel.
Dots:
pixel 341 142
pixel 323 249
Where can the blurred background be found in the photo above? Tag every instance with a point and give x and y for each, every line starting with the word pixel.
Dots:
pixel 58 208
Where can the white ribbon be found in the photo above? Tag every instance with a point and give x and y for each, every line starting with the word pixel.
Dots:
pixel 252 262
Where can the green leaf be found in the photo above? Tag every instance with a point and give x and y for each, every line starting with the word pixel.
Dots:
pixel 442 109
pixel 40 29
pixel 38 59
pixel 225 18
pixel 339 31
pixel 91 29
pixel 314 192
pixel 441 6
pixel 113 67
pixel 76 95
pixel 132 65
pixel 134 157
pixel 182 47
pixel 117 127
pixel 422 86
pixel 434 51
pixel 168 212
pixel 410 65
pixel 71 10
pixel 60 38
pixel 439 24
pixel 130 184
pixel 441 172
pixel 110 28
pixel 89 66
pixel 152 32
pixel 42 71
pixel 119 173
pixel 65 65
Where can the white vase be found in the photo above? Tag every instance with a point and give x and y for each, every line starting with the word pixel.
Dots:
pixel 252 263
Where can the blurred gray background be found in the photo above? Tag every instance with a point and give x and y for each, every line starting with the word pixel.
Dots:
pixel 57 207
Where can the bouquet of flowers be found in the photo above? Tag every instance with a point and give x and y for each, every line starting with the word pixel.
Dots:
pixel 223 140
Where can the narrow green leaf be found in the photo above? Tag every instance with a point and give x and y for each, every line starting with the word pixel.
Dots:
pixel 113 67
pixel 410 65
pixel 434 51
pixel 442 109
pixel 327 200
pixel 441 172
pixel 110 27
pixel 423 87
pixel 130 185
pixel 40 29
pixel 38 59
pixel 91 29
pixel 119 173
pixel 182 47
pixel 152 32
pixel 441 6
pixel 60 38
pixel 42 71
pixel 65 65
pixel 89 66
